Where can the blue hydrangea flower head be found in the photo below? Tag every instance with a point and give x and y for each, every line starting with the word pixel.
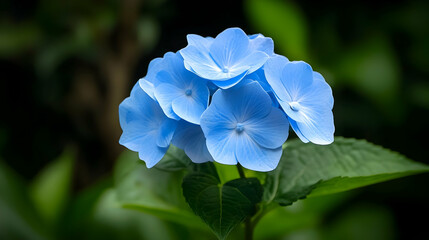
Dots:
pixel 191 139
pixel 146 129
pixel 242 126
pixel 180 93
pixel 227 58
pixel 305 97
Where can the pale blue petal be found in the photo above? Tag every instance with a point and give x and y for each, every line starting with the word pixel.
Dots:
pixel 254 157
pixel 269 132
pixel 297 77
pixel 259 76
pixel 154 67
pixel 230 82
pixel 188 108
pixel 218 126
pixel 200 91
pixel 229 47
pixel 174 66
pixel 260 43
pixel 221 145
pixel 165 132
pixel 191 139
pixel 275 102
pixel 200 42
pixel 200 62
pixel 142 120
pixel 318 125
pixel 147 87
pixel 254 60
pixel 138 107
pixel 245 102
pixel 297 131
pixel 212 87
pixel 148 151
pixel 325 90
pixel 165 94
pixel 273 70
pixel 214 118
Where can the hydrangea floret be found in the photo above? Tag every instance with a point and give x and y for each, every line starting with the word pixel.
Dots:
pixel 228 99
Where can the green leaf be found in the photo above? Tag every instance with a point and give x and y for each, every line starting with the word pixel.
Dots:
pixel 175 159
pixel 284 22
pixel 18 218
pixel 152 191
pixel 308 169
pixel 50 190
pixel 222 207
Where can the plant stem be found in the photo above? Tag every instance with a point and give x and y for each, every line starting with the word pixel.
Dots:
pixel 240 171
pixel 248 230
pixel 248 226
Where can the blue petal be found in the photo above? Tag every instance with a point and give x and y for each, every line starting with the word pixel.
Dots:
pixel 154 66
pixel 142 120
pixel 218 127
pixel 165 94
pixel 229 47
pixel 147 87
pixel 191 139
pixel 178 75
pixel 273 70
pixel 200 42
pixel 148 150
pixel 230 82
pixel 318 126
pixel 254 60
pixel 297 76
pixel 201 63
pixel 254 157
pixel 325 90
pixel 275 102
pixel 259 76
pixel 269 132
pixel 244 102
pixel 260 43
pixel 221 145
pixel 188 108
pixel 165 132
pixel 295 128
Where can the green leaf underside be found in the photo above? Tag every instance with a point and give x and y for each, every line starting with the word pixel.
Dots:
pixel 312 170
pixel 222 207
pixel 152 191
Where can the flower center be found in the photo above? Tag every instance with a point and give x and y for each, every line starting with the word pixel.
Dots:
pixel 294 106
pixel 239 127
pixel 225 70
pixel 188 92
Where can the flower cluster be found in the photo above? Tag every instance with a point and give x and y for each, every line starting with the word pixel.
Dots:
pixel 228 99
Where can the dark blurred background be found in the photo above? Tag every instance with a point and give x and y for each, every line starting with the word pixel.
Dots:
pixel 66 65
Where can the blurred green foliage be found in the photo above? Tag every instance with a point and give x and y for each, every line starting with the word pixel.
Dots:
pixel 56 90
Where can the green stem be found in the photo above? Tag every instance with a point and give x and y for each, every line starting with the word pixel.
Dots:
pixel 248 226
pixel 248 230
pixel 240 171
